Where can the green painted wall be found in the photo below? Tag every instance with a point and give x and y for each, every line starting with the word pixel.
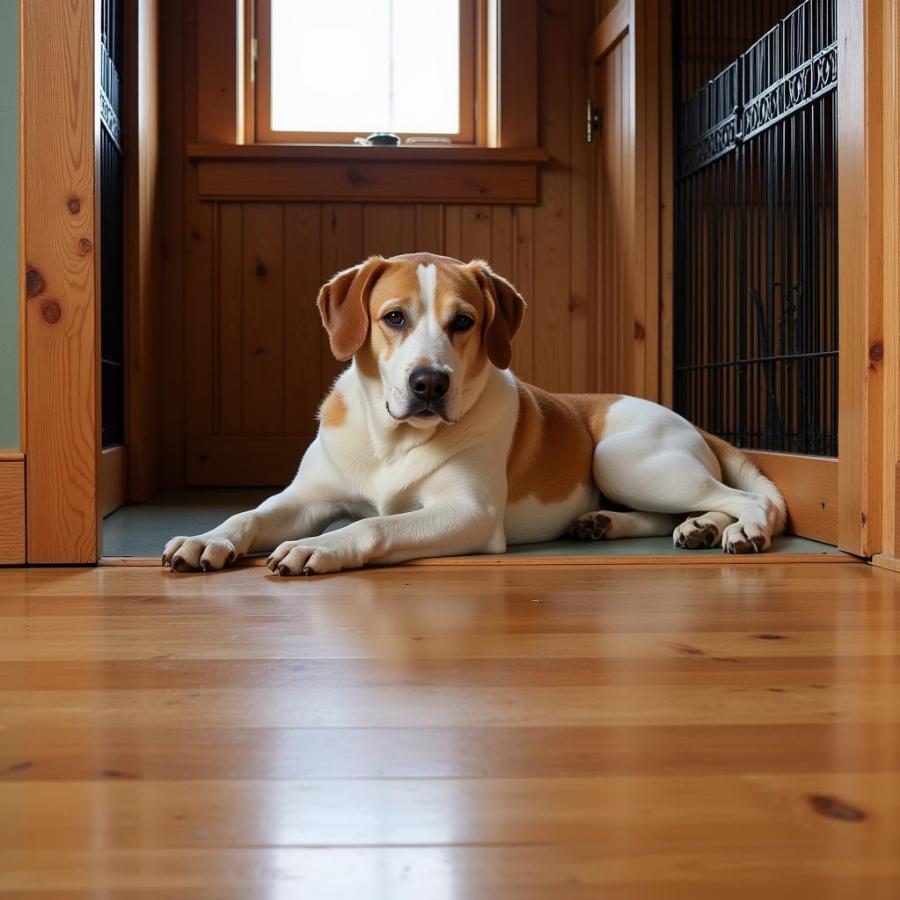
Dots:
pixel 9 224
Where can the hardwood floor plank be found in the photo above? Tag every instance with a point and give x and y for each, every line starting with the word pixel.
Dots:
pixel 69 751
pixel 415 812
pixel 532 873
pixel 668 732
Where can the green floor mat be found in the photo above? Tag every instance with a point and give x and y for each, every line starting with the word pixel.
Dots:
pixel 143 529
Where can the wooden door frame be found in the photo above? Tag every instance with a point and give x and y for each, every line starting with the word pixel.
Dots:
pixel 61 363
pixel 642 21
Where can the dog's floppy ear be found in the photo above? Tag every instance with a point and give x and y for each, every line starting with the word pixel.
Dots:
pixel 505 310
pixel 344 306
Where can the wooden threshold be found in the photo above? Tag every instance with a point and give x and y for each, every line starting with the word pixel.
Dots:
pixel 700 559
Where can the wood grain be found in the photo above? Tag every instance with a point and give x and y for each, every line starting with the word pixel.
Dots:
pixel 860 237
pixel 810 488
pixel 262 325
pixel 625 54
pixel 62 311
pixel 12 511
pixel 523 733
pixel 220 115
pixel 891 284
pixel 233 461
pixel 517 80
pixel 389 181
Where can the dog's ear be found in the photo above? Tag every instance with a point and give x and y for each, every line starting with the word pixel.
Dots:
pixel 344 306
pixel 505 310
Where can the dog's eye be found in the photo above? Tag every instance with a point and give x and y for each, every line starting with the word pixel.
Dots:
pixel 395 318
pixel 462 323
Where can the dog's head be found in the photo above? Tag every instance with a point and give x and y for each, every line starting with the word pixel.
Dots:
pixel 427 327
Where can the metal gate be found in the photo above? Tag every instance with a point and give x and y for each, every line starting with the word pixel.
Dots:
pixel 112 224
pixel 755 301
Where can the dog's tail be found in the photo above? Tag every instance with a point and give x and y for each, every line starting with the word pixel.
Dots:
pixel 739 471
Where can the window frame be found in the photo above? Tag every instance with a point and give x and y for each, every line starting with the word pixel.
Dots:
pixel 473 86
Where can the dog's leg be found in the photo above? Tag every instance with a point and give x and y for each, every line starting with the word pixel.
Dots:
pixel 700 531
pixel 610 526
pixel 442 529
pixel 460 512
pixel 632 471
pixel 286 515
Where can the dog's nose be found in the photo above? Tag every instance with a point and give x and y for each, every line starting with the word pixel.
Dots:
pixel 429 384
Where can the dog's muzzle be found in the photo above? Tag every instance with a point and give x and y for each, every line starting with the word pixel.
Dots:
pixel 428 389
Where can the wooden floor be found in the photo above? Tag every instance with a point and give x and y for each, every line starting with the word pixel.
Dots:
pixel 671 732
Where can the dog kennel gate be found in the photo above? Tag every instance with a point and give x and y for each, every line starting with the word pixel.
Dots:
pixel 755 303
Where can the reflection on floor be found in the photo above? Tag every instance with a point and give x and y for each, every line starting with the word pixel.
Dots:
pixel 142 530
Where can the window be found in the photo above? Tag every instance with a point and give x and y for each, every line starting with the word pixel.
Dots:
pixel 332 70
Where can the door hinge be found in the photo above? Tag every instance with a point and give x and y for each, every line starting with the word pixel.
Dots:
pixel 254 55
pixel 594 120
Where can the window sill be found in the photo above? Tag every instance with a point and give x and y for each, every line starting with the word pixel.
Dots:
pixel 412 174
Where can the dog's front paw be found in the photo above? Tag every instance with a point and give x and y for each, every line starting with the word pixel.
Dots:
pixel 744 538
pixel 193 554
pixel 311 557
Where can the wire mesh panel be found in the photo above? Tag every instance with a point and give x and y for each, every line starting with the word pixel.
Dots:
pixel 756 225
pixel 112 249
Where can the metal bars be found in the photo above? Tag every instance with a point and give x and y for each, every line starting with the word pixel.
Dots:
pixel 112 223
pixel 755 225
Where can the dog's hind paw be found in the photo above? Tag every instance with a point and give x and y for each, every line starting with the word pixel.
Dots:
pixel 592 526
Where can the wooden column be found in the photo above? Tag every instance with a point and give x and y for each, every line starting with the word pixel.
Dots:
pixel 60 238
pixel 860 238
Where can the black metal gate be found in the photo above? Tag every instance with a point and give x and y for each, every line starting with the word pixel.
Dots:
pixel 755 305
pixel 112 223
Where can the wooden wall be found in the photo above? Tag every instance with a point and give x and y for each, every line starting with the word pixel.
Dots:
pixel 245 360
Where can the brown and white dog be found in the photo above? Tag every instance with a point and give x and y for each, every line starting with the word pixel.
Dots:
pixel 435 448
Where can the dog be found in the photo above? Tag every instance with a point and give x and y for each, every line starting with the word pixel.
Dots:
pixel 431 444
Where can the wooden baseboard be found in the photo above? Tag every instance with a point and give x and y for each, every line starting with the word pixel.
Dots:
pixel 810 488
pixel 113 479
pixel 12 509
pixel 886 561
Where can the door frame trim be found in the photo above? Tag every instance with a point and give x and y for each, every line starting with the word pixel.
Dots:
pixel 60 283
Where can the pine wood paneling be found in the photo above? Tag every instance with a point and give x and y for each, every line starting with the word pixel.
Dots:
pixel 263 321
pixel 62 432
pixel 220 113
pixel 302 327
pixel 860 237
pixel 342 246
pixel 388 229
pixel 396 181
pixel 230 286
pixel 810 488
pixel 430 227
pixel 12 510
pixel 475 237
pixel 523 278
pixel 236 461
pixel 551 219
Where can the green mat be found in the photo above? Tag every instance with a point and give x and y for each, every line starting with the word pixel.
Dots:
pixel 142 530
